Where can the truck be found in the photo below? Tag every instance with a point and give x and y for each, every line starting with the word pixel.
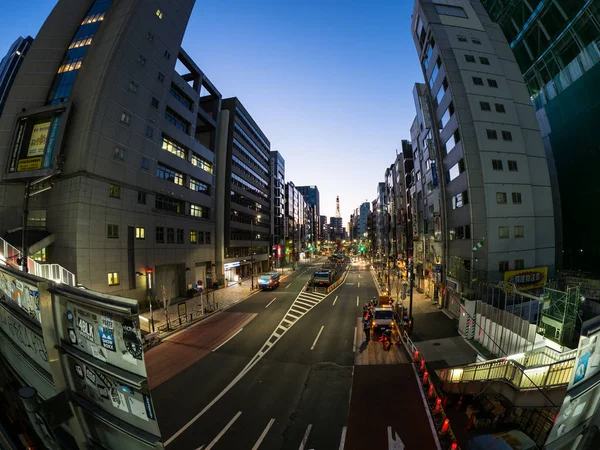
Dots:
pixel 383 317
pixel 323 278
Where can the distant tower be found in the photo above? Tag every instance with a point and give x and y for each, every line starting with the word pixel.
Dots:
pixel 337 207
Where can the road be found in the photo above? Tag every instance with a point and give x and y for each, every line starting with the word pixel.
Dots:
pixel 276 371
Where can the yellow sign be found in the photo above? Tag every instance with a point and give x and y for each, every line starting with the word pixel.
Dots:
pixel 39 136
pixel 25 165
pixel 527 278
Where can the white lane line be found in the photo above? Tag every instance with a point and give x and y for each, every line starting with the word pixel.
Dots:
pixel 305 438
pixel 354 344
pixel 357 300
pixel 288 285
pixel 343 440
pixel 263 434
pixel 269 304
pixel 200 448
pixel 317 338
pixel 334 300
pixel 223 431
pixel 359 284
pixel 237 332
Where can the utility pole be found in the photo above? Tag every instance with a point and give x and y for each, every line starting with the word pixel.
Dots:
pixel 252 253
pixel 411 276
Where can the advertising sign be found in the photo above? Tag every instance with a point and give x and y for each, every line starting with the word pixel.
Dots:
pixel 527 278
pixel 23 294
pixel 588 359
pixel 39 137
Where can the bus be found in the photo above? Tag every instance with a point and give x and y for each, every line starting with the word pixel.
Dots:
pixel 323 278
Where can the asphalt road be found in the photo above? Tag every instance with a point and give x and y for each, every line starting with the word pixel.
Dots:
pixel 297 395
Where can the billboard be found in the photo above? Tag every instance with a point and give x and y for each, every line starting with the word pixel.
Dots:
pixel 527 278
pixel 36 142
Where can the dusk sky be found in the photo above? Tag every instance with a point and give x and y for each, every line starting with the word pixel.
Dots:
pixel 328 81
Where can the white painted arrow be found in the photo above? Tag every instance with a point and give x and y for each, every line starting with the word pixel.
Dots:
pixel 394 443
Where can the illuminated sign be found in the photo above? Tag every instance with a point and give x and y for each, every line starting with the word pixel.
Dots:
pixel 39 137
pixel 230 265
pixel 527 278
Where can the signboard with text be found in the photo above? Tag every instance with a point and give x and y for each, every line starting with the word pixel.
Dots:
pixel 527 278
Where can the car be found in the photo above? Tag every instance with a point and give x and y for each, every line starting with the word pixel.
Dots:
pixel 268 280
pixel 383 317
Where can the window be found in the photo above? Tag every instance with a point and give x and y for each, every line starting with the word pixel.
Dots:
pixel 81 41
pixel 198 186
pixel 167 54
pixel 429 187
pixel 501 198
pixel 173 147
pixel 169 174
pixel 113 278
pixel 507 136
pixel 179 236
pixel 114 191
pixel 456 170
pixel 492 135
pixel 485 106
pixel 125 118
pixel 141 60
pixel 202 163
pixel 154 103
pixel 434 73
pixel 140 233
pixel 459 233
pixel 470 58
pixel 141 198
pixel 475 41
pixel 449 10
pixel 193 237
pixel 460 200
pixel 442 90
pixel 200 237
pixel 492 83
pixel 145 163
pixel 500 108
pixel 477 81
pixel 112 231
pixel 119 153
pixel 159 14
pixel 170 204
pixel 467 231
pixel 461 38
pixel 516 198
pixel 503 232
pixel 519 231
pixel 497 164
pixel 519 264
pixel 484 61
pixel 447 115
pixel 70 65
pixel 161 77
pixel 180 96
pixel 170 235
pixel 207 237
pixel 503 266
pixel 149 131
pixel 160 235
pixel 197 211
pixel 176 120
pixel 150 36
pixel 133 87
pixel 451 142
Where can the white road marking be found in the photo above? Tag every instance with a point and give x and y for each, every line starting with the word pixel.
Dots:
pixel 349 284
pixel 288 285
pixel 359 284
pixel 334 300
pixel 269 304
pixel 343 440
pixel 394 442
pixel 200 448
pixel 223 431
pixel 357 300
pixel 354 344
pixel 305 438
pixel 237 332
pixel 263 434
pixel 317 338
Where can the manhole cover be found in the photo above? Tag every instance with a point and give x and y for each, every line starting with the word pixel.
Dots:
pixel 436 344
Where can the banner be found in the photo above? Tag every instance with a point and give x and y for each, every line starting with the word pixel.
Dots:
pixel 39 137
pixel 527 278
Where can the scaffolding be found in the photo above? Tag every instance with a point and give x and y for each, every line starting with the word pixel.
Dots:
pixel 559 314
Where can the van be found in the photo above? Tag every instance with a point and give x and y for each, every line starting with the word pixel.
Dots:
pixel 268 280
pixel 383 317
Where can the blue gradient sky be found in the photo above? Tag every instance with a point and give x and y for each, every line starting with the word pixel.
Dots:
pixel 328 81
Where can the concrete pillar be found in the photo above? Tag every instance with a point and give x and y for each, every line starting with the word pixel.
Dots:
pixel 221 183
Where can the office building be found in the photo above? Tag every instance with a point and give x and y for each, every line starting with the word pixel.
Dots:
pixel 311 197
pixel 244 158
pixel 129 145
pixel 323 228
pixel 295 215
pixel 557 47
pixel 365 209
pixel 278 222
pixel 336 227
pixel 9 66
pixel 496 197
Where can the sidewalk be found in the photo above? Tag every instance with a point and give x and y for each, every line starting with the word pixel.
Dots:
pixel 214 300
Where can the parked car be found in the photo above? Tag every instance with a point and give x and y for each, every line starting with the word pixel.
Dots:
pixel 268 280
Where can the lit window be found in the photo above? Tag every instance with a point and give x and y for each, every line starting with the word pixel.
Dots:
pixel 125 118
pixel 114 191
pixel 140 233
pixel 202 163
pixel 112 231
pixel 159 14
pixel 503 232
pixel 516 198
pixel 81 42
pixel 169 174
pixel 113 278
pixel 70 65
pixel 93 18
pixel 193 237
pixel 119 153
pixel 174 148
pixel 501 198
pixel 198 186
pixel 196 210
pixel 519 231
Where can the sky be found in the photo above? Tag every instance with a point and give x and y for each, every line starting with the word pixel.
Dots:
pixel 328 81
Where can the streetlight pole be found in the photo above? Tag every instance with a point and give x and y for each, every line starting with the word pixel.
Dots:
pixel 252 253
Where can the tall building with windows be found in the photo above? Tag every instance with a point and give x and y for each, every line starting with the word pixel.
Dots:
pixel 485 141
pixel 245 158
pixel 10 64
pixel 124 124
pixel 278 229
pixel 365 209
pixel 311 196
pixel 557 47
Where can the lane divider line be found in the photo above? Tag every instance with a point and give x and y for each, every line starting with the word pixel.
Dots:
pixel 305 438
pixel 288 285
pixel 359 284
pixel 343 440
pixel 269 304
pixel 354 344
pixel 223 431
pixel 317 338
pixel 263 434
pixel 357 300
pixel 230 338
pixel 334 300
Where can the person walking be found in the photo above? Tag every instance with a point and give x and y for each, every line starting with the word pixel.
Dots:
pixel 367 329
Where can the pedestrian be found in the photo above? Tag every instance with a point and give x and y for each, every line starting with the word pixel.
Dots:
pixel 367 329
